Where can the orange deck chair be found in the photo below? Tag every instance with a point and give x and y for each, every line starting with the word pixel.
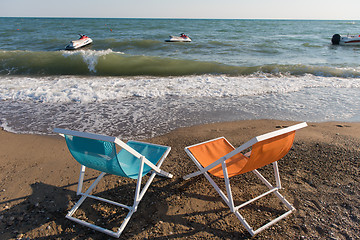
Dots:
pixel 221 159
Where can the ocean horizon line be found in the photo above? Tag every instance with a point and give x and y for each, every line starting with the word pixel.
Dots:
pixel 178 18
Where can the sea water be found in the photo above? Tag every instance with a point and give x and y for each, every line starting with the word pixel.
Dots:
pixel 131 83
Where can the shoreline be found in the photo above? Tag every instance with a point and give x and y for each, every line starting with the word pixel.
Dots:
pixel 320 177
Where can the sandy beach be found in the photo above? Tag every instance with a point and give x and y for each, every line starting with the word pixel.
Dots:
pixel 320 177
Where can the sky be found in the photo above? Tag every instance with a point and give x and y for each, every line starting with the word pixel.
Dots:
pixel 213 9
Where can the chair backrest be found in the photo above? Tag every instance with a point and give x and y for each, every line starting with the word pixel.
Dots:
pixel 269 151
pixel 99 152
pixel 265 149
pixel 95 154
pixel 130 164
pixel 208 152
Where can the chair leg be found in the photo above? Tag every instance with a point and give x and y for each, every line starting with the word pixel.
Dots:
pixel 268 184
pixel 228 187
pixel 277 175
pixel 274 190
pixel 81 180
pixel 139 194
pixel 207 176
pixel 149 181
pixel 138 186
pixel 87 194
pixel 244 223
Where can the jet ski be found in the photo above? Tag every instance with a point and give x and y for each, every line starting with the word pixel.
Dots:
pixel 81 42
pixel 349 40
pixel 181 38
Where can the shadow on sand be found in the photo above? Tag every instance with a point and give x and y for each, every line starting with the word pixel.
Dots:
pixel 41 215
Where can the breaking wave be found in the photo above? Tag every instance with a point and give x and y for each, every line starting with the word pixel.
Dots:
pixel 110 63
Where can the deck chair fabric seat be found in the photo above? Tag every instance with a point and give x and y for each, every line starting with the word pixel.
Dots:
pixel 134 160
pixel 262 154
pixel 102 156
pixel 219 158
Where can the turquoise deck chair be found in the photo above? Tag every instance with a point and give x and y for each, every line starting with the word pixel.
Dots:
pixel 134 160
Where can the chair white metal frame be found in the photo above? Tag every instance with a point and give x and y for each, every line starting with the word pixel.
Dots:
pixel 265 149
pixel 140 158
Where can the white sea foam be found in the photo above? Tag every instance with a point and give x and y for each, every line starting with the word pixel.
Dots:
pixel 5 126
pixel 90 57
pixel 147 106
pixel 62 89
